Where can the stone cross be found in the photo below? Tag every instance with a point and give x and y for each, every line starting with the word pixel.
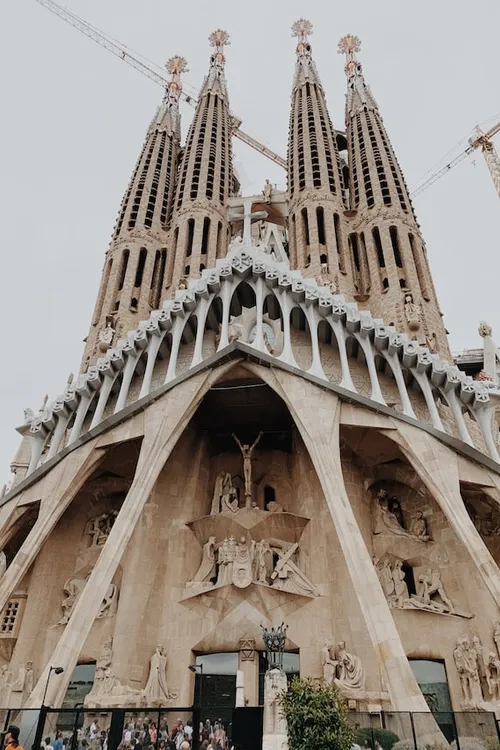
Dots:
pixel 248 217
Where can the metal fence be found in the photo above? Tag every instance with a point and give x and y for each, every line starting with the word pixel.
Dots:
pixel 101 729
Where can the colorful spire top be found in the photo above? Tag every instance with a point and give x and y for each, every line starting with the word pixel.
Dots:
pixel 359 93
pixel 302 29
pixel 175 66
pixel 215 80
pixel 305 69
pixel 219 39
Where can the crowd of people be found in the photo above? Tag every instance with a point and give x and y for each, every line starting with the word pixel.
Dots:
pixel 144 734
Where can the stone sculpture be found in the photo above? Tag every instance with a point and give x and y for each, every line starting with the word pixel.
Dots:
pixel 243 564
pixel 105 337
pixel 418 526
pixel 465 657
pixel 496 636
pixel 492 672
pixel 401 595
pixel 431 596
pixel 246 452
pixel 98 529
pixel 432 586
pixel 350 673
pixel 156 693
pixel 383 519
pixel 329 665
pixel 270 562
pixel 73 589
pixel 412 312
pixel 342 668
pixel 225 497
pixel 206 571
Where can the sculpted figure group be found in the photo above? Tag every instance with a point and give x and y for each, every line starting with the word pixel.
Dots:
pixel 430 596
pixel 479 676
pixel 388 518
pixel 272 562
pixel 108 691
pixel 342 668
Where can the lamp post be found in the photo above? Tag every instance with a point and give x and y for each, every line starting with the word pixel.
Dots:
pixel 274 643
pixel 56 670
pixel 43 710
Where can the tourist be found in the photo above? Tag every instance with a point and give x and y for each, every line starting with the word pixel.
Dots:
pixel 188 729
pixel 58 743
pixel 185 744
pixel 45 744
pixel 12 738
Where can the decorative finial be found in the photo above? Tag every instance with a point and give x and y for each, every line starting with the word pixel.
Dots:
pixel 175 66
pixel 349 44
pixel 302 29
pixel 219 39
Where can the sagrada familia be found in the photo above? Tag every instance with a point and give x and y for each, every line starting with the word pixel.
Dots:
pixel 268 427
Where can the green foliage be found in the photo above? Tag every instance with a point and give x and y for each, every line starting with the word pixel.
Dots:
pixel 375 734
pixel 316 716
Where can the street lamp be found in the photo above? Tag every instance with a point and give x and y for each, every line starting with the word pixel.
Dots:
pixel 274 642
pixel 56 670
pixel 194 669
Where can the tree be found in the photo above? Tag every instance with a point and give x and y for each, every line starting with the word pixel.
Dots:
pixel 316 716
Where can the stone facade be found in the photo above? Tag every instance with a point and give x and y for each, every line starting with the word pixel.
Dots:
pixel 260 449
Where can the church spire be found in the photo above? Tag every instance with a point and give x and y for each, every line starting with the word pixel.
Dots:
pixel 200 229
pixel 133 277
pixel 392 274
pixel 315 180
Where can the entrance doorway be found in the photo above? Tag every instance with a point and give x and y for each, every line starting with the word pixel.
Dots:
pixel 215 693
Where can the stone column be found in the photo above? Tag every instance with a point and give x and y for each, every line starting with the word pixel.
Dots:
pixel 248 664
pixel 317 416
pixel 437 466
pixel 162 429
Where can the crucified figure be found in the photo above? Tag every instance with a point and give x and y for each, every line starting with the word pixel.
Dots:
pixel 246 451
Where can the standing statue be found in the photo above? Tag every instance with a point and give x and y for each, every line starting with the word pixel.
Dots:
pixel 496 636
pixel 329 665
pixel 206 571
pixel 386 579
pixel 350 671
pixel 466 663
pixel 401 594
pixel 412 313
pixel 3 564
pixel 263 561
pixel 156 691
pixel 492 671
pixel 247 451
pixel 229 495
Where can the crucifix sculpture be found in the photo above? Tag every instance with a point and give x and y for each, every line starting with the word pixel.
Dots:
pixel 248 216
pixel 246 451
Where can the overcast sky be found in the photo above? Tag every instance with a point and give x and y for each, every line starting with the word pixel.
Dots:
pixel 74 117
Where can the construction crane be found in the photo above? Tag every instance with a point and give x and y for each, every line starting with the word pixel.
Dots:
pixel 480 140
pixel 145 67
